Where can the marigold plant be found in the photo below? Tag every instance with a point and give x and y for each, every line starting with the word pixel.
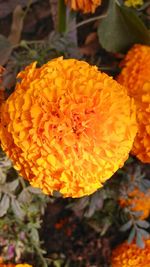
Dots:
pixel 133 3
pixel 137 201
pixel 126 255
pixel 67 127
pixel 135 76
pixel 87 6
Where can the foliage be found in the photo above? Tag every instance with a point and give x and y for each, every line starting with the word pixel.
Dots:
pixel 21 208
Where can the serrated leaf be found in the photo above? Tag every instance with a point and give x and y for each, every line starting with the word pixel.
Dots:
pixel 131 235
pixel 5 49
pixel 17 209
pixel 143 224
pixel 4 205
pixel 126 226
pixel 121 29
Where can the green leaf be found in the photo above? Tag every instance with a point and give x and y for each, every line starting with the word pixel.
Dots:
pixel 17 209
pixel 139 240
pixel 144 233
pixel 121 29
pixel 25 197
pixel 131 235
pixel 5 49
pixel 35 235
pixel 126 226
pixel 13 185
pixel 3 176
pixel 143 224
pixel 4 205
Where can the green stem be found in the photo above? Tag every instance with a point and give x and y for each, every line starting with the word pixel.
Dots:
pixel 44 263
pixel 61 16
pixel 22 182
pixel 82 23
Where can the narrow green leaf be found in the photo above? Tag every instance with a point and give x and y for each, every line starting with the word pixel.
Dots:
pixel 131 235
pixel 35 235
pixel 17 209
pixel 13 185
pixel 126 226
pixel 5 49
pixel 143 224
pixel 144 233
pixel 139 240
pixel 4 205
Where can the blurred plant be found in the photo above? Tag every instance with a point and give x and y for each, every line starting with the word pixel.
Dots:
pixel 21 208
pixel 134 200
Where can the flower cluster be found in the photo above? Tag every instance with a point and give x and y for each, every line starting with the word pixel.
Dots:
pixel 67 127
pixel 133 3
pixel 126 255
pixel 137 201
pixel 135 76
pixel 86 6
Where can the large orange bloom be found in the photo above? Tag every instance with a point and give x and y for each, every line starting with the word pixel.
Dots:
pixel 137 201
pixel 67 127
pixel 87 6
pixel 135 76
pixel 129 255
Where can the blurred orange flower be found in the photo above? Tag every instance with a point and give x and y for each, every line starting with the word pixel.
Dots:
pixel 67 127
pixel 135 76
pixel 129 255
pixel 87 6
pixel 137 201
pixel 133 3
pixel 15 265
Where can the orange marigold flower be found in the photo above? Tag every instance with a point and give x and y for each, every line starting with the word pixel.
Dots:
pixel 135 76
pixel 129 255
pixel 137 201
pixel 67 127
pixel 87 6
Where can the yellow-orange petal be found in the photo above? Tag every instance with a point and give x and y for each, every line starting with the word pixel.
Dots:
pixel 129 255
pixel 86 6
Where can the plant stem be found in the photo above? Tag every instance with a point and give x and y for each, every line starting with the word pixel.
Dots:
pixel 82 23
pixel 44 263
pixel 61 16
